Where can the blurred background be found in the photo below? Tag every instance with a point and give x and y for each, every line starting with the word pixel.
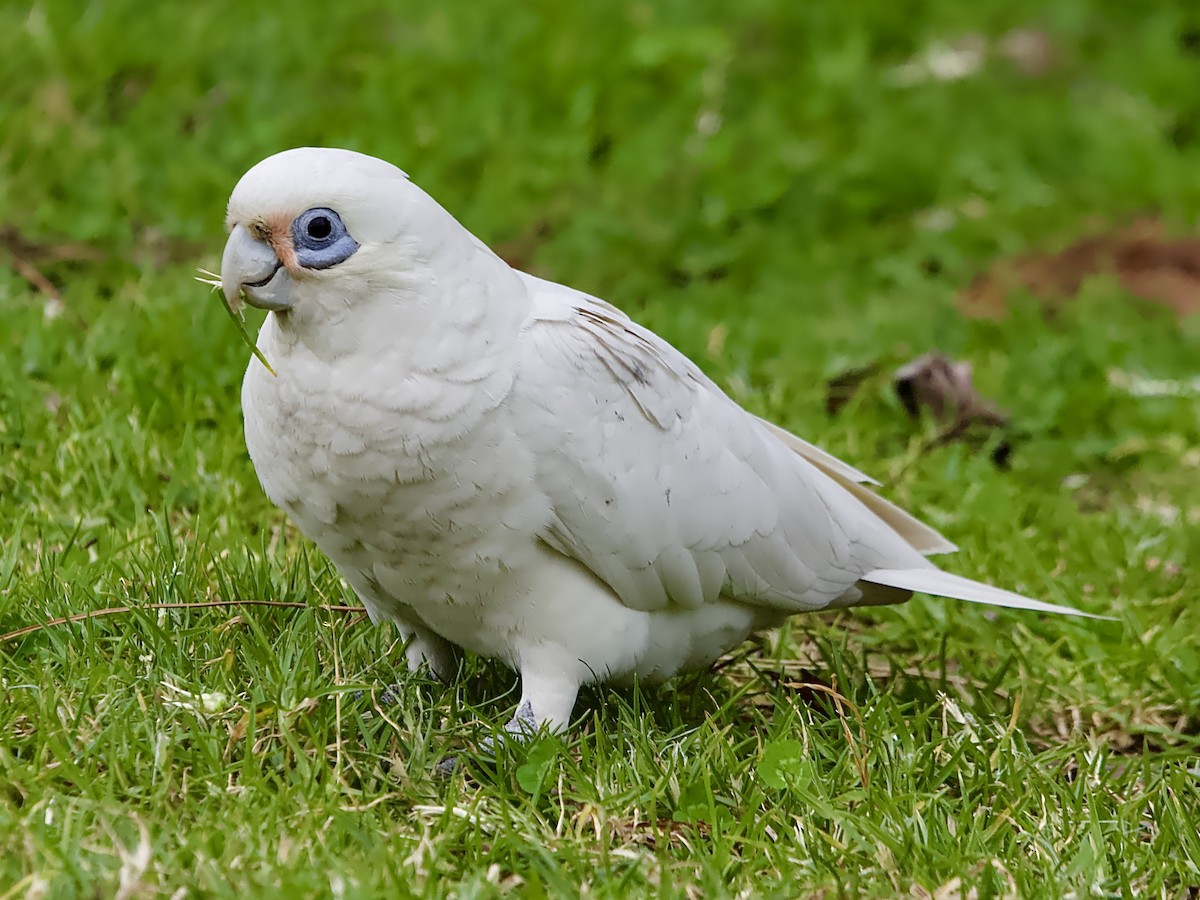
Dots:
pixel 801 196
pixel 787 191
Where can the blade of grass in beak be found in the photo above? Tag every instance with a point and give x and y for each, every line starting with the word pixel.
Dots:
pixel 238 317
pixel 239 320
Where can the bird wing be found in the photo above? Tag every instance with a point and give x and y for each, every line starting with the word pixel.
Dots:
pixel 661 485
pixel 675 496
pixel 919 535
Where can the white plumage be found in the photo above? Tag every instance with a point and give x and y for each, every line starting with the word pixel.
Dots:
pixel 504 464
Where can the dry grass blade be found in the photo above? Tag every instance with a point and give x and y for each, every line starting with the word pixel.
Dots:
pixel 206 277
pixel 860 755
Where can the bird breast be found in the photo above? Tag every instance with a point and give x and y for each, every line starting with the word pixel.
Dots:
pixel 413 483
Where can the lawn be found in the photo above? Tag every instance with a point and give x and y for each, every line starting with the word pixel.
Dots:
pixel 786 191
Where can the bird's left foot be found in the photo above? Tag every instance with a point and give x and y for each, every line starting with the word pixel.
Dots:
pixel 524 723
pixel 547 698
pixel 521 727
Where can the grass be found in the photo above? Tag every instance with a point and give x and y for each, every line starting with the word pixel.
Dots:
pixel 753 183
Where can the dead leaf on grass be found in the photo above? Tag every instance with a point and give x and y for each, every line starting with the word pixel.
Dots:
pixel 931 385
pixel 1028 50
pixel 941 387
pixel 1147 263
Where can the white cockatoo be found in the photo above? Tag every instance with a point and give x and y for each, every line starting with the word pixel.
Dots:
pixel 503 464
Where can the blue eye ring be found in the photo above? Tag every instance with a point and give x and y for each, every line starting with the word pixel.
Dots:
pixel 321 239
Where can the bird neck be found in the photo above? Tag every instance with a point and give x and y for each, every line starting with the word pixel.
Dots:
pixel 454 322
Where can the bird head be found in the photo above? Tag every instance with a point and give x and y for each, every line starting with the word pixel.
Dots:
pixel 313 227
pixel 352 257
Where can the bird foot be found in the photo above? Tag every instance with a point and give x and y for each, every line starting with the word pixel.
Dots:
pixel 389 696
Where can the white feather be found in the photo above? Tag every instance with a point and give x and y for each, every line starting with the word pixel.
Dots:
pixel 944 584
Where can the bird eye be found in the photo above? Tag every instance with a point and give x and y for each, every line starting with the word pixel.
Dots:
pixel 319 227
pixel 321 239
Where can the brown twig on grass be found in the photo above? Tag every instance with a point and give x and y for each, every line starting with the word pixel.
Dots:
pixel 25 254
pixel 33 275
pixel 199 604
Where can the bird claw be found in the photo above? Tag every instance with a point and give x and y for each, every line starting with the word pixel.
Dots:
pixel 522 727
pixel 389 696
pixel 523 723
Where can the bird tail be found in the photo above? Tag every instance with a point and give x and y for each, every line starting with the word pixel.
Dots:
pixel 943 584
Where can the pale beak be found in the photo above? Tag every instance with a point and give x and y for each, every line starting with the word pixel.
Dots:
pixel 250 267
